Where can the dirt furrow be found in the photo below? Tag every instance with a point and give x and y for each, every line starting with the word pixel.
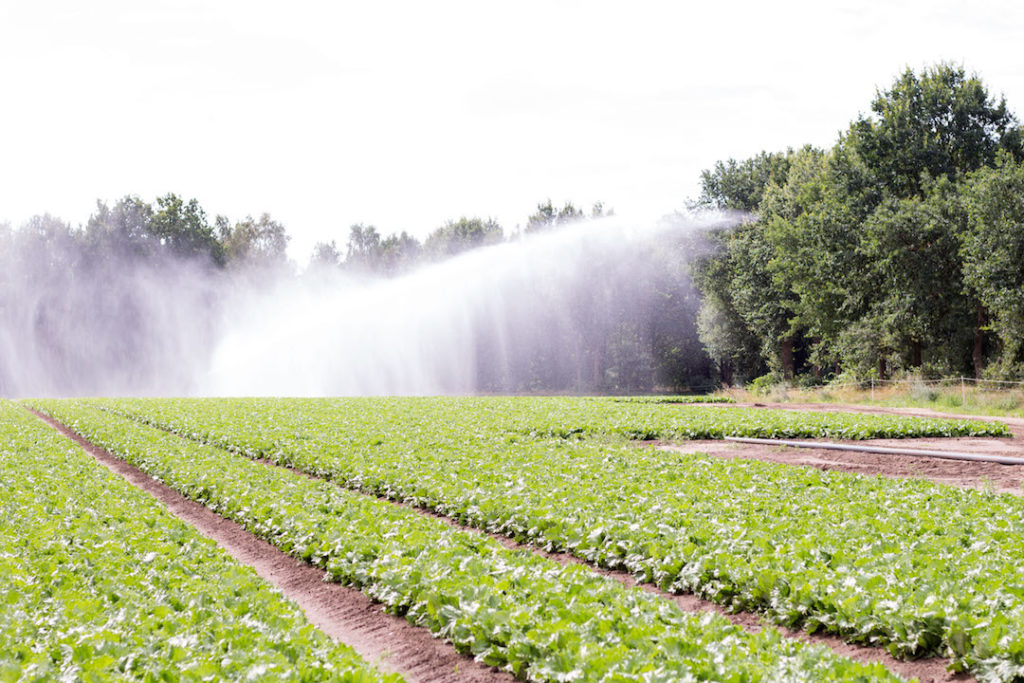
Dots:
pixel 346 614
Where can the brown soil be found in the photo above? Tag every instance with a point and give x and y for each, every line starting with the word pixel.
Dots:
pixel 963 473
pixel 389 642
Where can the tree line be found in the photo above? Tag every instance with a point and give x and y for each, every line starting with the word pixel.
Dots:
pixel 175 228
pixel 136 293
pixel 898 249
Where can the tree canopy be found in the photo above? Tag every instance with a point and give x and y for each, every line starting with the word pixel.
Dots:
pixel 868 257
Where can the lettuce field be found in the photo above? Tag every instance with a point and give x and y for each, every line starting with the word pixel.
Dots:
pixel 409 499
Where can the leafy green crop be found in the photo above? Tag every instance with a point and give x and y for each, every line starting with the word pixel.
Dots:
pixel 98 582
pixel 511 609
pixel 700 398
pixel 645 421
pixel 924 569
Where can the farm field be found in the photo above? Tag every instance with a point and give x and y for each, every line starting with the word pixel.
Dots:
pixel 824 551
pixel 99 582
pixel 512 609
pixel 919 568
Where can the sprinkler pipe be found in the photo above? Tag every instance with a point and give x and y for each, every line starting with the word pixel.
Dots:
pixel 948 455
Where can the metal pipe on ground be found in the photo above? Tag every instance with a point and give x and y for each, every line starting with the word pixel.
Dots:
pixel 948 455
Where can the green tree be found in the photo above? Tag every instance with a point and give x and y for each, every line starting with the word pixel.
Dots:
pixel 261 242
pixel 928 132
pixel 547 216
pixel 812 225
pixel 745 318
pixel 669 313
pixel 920 309
pixel 368 253
pixel 455 237
pixel 363 248
pixel 724 333
pixel 939 123
pixel 124 229
pixel 399 253
pixel 325 255
pixel 766 306
pixel 740 185
pixel 993 254
pixel 182 229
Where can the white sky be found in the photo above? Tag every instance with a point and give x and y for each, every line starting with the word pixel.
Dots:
pixel 406 114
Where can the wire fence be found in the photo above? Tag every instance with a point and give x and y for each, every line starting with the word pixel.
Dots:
pixel 962 382
pixel 871 384
pixel 948 381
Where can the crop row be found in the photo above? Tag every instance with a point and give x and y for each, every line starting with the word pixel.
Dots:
pixel 97 581
pixel 511 609
pixel 685 398
pixel 565 417
pixel 922 568
pixel 646 420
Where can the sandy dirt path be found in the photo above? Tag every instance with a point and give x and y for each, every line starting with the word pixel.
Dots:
pixel 980 475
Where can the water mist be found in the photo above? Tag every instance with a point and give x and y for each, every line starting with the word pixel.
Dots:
pixel 600 305
pixel 535 313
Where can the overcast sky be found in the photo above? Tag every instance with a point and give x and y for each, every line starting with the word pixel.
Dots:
pixel 406 114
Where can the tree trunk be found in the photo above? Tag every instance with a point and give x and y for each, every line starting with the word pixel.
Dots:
pixel 725 370
pixel 977 353
pixel 786 353
pixel 915 353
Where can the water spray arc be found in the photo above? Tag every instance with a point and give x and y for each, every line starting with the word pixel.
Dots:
pixel 600 305
pixel 544 312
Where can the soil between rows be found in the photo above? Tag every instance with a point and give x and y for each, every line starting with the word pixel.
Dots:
pixel 387 641
pixel 964 473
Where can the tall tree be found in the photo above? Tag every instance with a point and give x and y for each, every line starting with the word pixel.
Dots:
pixel 124 229
pixel 363 248
pixel 455 237
pixel 812 226
pixel 261 243
pixel 942 122
pixel 547 216
pixel 919 308
pixel 861 242
pixel 325 255
pixel 993 253
pixel 745 317
pixel 725 336
pixel 182 229
pixel 740 185
pixel 399 253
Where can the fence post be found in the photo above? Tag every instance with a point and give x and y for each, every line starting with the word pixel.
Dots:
pixel 872 389
pixel 963 393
